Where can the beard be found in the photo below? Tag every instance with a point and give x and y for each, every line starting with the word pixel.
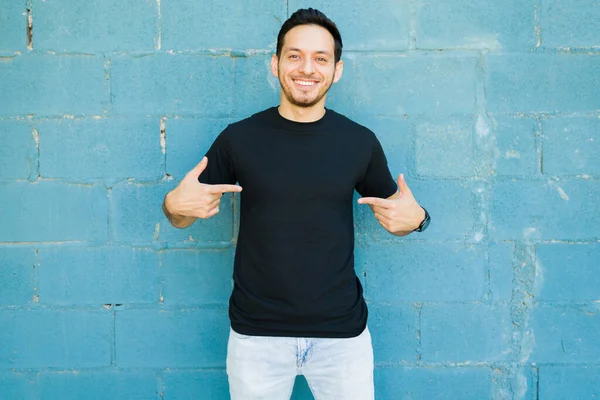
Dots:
pixel 302 102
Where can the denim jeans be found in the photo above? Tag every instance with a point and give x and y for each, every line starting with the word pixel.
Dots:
pixel 265 367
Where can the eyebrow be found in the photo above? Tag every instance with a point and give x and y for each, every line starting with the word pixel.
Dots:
pixel 300 51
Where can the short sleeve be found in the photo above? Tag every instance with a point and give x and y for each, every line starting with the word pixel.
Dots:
pixel 220 168
pixel 377 180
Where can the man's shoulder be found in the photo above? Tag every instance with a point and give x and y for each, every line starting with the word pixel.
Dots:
pixel 255 119
pixel 349 126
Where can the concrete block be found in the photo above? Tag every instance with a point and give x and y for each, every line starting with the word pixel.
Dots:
pixel 470 24
pixel 55 338
pixel 137 218
pixel 448 202
pixel 439 84
pixel 565 334
pixel 95 26
pixel 83 150
pixel 97 275
pixel 570 23
pixel 18 154
pixel 394 332
pixel 445 150
pixel 363 26
pixel 45 84
pixel 569 382
pixel 465 383
pixel 256 88
pixel 545 210
pixel 466 332
pixel 197 277
pixel 423 272
pixel 515 152
pixel 568 272
pixel 13 26
pixel 17 275
pixel 98 385
pixel 16 385
pixel 203 384
pixel 521 83
pixel 343 96
pixel 192 25
pixel 52 211
pixel 571 146
pixel 147 338
pixel 167 84
pixel 188 140
pixel 501 257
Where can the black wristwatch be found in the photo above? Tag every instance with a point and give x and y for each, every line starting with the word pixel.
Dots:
pixel 424 223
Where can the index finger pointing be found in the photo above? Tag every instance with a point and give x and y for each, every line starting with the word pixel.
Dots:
pixel 224 188
pixel 374 201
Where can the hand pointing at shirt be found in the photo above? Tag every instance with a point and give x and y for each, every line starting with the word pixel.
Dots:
pixel 399 214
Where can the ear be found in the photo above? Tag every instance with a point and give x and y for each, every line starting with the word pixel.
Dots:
pixel 339 69
pixel 275 65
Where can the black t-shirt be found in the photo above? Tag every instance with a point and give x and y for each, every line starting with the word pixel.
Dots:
pixel 294 262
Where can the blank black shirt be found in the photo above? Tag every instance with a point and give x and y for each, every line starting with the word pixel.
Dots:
pixel 294 262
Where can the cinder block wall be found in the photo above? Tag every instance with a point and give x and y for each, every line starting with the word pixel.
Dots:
pixel 490 108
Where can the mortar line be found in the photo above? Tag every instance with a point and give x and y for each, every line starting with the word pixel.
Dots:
pixel 113 353
pixel 159 27
pixel 160 276
pixel 537 20
pixel 419 347
pixel 108 216
pixel 107 77
pixel 537 383
pixel 29 37
pixel 160 385
pixel 232 93
pixel 36 277
pixel 412 29
pixel 36 140
pixel 539 145
pixel 163 141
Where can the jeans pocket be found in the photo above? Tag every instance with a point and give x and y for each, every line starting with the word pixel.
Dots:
pixel 239 335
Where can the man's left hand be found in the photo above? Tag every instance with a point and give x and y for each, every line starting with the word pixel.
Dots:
pixel 399 214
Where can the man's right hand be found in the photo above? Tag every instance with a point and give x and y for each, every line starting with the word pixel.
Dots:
pixel 192 199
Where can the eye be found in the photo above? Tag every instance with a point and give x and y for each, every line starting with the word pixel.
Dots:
pixel 294 57
pixel 322 59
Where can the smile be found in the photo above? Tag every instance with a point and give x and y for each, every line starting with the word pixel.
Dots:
pixel 304 83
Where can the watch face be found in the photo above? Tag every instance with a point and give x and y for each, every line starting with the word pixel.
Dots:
pixel 425 222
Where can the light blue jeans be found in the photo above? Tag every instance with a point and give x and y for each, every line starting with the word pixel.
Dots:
pixel 265 367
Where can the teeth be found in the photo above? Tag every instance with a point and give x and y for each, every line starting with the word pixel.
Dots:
pixel 305 83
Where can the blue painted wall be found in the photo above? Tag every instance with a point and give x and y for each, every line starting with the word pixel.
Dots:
pixel 490 108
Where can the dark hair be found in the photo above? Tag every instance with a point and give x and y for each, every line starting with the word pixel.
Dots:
pixel 311 16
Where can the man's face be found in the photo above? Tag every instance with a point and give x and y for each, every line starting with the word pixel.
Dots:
pixel 306 68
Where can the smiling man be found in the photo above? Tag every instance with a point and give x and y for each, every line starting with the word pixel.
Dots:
pixel 297 306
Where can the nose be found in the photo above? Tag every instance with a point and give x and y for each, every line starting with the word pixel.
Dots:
pixel 307 66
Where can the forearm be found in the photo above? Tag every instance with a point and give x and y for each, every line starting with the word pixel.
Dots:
pixel 178 221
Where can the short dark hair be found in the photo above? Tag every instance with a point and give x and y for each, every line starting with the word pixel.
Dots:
pixel 311 16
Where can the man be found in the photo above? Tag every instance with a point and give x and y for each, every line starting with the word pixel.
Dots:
pixel 297 306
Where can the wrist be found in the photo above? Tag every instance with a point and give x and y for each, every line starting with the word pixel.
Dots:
pixel 170 203
pixel 424 222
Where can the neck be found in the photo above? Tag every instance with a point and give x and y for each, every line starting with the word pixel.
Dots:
pixel 302 114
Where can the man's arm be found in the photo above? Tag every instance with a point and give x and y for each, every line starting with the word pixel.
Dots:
pixel 191 199
pixel 399 214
